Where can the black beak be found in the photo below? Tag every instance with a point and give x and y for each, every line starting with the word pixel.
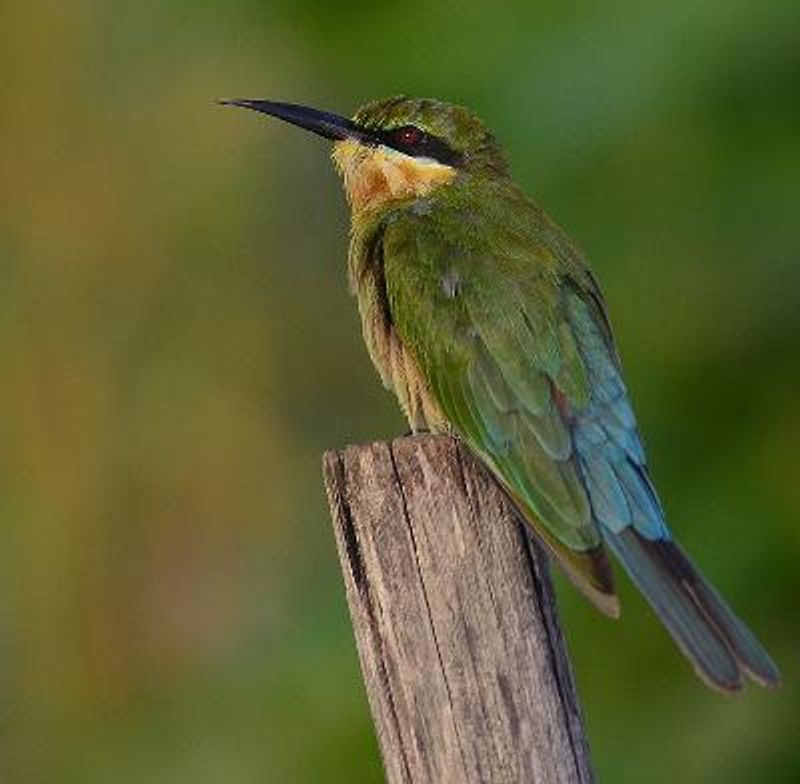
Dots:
pixel 331 126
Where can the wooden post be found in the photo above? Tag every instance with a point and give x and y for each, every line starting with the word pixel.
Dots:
pixel 455 620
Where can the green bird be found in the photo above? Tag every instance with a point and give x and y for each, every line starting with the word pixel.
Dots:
pixel 486 321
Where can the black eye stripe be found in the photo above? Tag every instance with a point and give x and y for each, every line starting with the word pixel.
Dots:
pixel 408 135
pixel 424 145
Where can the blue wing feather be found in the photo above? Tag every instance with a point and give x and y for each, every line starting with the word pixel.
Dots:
pixel 607 439
pixel 626 506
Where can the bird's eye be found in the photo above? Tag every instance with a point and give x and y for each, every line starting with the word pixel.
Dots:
pixel 409 135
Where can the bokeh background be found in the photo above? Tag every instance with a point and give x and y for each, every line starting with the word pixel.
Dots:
pixel 177 348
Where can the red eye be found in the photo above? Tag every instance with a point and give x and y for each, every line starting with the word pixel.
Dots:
pixel 409 135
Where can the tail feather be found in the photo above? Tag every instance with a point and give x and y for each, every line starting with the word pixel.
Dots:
pixel 718 644
pixel 749 652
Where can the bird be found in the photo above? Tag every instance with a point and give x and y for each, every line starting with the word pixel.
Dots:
pixel 488 324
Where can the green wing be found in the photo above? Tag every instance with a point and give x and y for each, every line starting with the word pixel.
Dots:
pixel 510 332
pixel 488 327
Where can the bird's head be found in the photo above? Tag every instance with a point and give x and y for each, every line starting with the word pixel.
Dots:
pixel 397 149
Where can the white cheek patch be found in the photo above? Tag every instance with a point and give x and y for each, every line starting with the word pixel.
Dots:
pixel 420 170
pixel 390 152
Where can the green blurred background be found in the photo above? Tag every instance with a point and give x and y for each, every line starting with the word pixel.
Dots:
pixel 178 348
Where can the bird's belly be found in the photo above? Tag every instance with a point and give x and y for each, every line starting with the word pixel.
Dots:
pixel 400 372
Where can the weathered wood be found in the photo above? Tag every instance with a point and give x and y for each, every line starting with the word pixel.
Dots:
pixel 455 620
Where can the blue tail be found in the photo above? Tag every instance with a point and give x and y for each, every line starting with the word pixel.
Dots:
pixel 627 510
pixel 719 645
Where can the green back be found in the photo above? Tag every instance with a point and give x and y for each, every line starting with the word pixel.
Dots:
pixel 479 284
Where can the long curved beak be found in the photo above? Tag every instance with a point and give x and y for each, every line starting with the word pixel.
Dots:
pixel 330 126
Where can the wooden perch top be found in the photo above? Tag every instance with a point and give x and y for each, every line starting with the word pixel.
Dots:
pixel 455 619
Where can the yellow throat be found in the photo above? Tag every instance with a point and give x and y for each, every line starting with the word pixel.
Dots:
pixel 374 175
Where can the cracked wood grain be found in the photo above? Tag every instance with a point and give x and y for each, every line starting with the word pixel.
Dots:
pixel 455 620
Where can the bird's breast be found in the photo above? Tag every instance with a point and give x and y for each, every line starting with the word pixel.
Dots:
pixel 396 365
